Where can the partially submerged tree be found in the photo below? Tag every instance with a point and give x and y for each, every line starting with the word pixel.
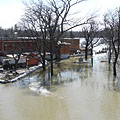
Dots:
pixel 109 32
pixel 52 20
pixel 90 34
pixel 112 29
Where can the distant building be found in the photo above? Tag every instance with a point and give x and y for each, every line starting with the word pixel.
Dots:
pixel 8 46
pixel 25 44
pixel 64 50
pixel 32 59
pixel 74 44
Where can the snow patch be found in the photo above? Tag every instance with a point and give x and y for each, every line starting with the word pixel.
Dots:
pixel 36 87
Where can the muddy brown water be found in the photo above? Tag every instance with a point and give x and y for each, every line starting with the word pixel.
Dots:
pixel 78 93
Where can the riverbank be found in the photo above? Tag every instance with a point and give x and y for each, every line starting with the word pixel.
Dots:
pixel 22 73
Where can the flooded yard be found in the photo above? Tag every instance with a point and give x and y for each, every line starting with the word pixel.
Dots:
pixel 77 92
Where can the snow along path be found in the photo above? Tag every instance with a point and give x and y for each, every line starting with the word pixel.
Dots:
pixel 22 75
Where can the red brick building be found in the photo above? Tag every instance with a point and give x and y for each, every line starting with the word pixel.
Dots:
pixel 74 44
pixel 32 59
pixel 64 50
pixel 8 46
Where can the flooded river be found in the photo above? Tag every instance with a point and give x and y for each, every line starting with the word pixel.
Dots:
pixel 83 92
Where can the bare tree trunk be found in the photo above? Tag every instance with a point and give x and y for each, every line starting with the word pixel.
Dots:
pixel 15 66
pixel 91 50
pixel 109 57
pixel 86 52
pixel 51 56
pixel 16 61
pixel 92 55
pixel 109 54
pixel 114 65
pixel 44 67
pixel 117 51
pixel 114 69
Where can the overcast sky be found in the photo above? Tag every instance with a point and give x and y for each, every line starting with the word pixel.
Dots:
pixel 11 10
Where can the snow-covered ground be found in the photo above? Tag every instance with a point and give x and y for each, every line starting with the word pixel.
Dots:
pixel 22 72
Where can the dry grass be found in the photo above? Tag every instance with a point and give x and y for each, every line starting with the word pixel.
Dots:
pixel 65 64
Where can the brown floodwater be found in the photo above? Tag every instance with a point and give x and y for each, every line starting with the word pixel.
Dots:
pixel 83 92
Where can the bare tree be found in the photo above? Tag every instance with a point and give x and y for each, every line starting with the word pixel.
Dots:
pixel 54 18
pixel 17 46
pixel 17 51
pixel 109 31
pixel 90 34
pixel 112 27
pixel 33 25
